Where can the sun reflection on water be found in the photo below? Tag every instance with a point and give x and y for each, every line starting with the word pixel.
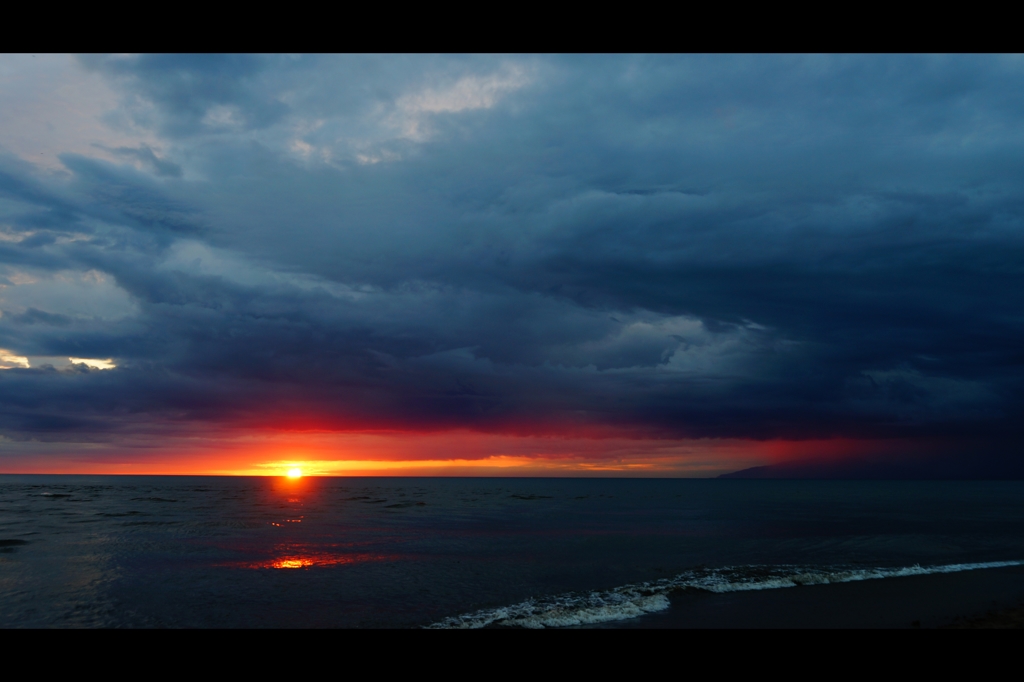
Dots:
pixel 299 562
pixel 311 560
pixel 291 556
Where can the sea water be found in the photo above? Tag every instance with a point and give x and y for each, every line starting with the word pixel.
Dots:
pixel 164 551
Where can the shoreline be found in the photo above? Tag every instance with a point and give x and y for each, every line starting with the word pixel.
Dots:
pixel 981 599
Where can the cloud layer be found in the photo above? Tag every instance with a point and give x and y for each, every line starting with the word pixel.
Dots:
pixel 644 247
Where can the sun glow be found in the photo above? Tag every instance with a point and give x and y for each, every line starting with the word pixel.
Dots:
pixel 95 364
pixel 295 473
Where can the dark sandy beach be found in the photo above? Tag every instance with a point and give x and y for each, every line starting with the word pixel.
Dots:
pixel 992 598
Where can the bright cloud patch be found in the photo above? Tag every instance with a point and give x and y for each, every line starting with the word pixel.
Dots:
pixel 466 94
pixel 94 363
pixel 9 360
pixel 470 92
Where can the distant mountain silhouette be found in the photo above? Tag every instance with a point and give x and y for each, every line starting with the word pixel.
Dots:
pixel 1008 466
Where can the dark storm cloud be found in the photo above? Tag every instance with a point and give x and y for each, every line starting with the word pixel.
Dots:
pixel 120 197
pixel 762 247
pixel 185 87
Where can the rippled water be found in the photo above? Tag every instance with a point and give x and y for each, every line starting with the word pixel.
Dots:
pixel 108 551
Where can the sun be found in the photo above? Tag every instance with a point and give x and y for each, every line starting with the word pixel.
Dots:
pixel 295 473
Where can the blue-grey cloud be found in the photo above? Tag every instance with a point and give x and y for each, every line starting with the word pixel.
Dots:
pixel 756 246
pixel 145 155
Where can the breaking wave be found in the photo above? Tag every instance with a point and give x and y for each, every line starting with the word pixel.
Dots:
pixel 631 601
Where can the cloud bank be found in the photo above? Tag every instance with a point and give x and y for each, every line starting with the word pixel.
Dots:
pixel 650 248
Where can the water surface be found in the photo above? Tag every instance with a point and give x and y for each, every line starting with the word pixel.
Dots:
pixel 160 551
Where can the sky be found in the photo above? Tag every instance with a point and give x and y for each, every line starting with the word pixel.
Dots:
pixel 671 265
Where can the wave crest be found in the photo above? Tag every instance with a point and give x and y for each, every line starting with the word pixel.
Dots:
pixel 632 601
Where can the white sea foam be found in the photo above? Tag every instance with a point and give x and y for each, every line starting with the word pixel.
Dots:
pixel 631 601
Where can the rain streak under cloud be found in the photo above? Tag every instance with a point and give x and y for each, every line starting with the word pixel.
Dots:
pixel 501 264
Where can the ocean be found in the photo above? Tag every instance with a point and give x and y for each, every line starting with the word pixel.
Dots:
pixel 240 552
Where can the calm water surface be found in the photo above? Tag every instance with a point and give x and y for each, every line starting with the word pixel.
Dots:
pixel 159 551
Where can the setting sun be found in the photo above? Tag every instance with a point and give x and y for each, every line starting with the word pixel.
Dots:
pixel 295 473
